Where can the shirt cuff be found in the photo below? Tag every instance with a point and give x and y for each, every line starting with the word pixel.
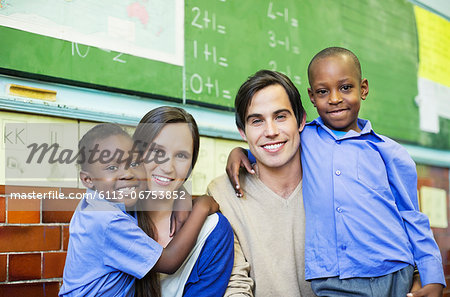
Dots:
pixel 431 272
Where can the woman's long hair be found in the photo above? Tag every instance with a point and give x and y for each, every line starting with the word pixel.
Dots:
pixel 147 130
pixel 149 285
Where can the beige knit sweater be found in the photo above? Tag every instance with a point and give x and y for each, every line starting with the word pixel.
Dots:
pixel 269 237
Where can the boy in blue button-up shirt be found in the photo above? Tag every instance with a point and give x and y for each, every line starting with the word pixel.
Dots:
pixel 364 231
pixel 360 191
pixel 107 250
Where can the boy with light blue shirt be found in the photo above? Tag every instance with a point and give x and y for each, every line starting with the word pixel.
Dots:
pixel 364 231
pixel 107 250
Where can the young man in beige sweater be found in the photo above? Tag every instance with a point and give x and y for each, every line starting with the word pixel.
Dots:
pixel 268 221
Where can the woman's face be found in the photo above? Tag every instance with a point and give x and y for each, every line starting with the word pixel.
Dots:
pixel 174 147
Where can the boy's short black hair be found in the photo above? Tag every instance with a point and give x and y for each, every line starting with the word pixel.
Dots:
pixel 259 81
pixel 88 141
pixel 334 51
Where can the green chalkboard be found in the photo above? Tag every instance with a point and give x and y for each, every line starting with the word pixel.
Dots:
pixel 55 58
pixel 225 41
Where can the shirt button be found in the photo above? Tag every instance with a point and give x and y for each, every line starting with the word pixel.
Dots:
pixel 338 172
pixel 343 247
pixel 339 209
pixel 338 141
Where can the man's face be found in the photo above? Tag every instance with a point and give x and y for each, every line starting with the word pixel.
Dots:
pixel 115 176
pixel 336 91
pixel 271 128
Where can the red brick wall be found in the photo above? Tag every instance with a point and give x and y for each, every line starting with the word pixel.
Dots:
pixel 33 243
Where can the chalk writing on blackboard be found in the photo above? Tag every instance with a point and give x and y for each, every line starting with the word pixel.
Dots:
pixel 83 50
pixel 276 40
pixel 209 53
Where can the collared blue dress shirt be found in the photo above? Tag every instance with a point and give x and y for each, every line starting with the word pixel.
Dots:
pixel 107 250
pixel 362 213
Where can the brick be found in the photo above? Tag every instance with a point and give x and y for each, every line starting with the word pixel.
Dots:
pixel 59 203
pixel 447 269
pixel 30 190
pixel 443 242
pixel 446 290
pixel 24 267
pixel 56 216
pixel 3 267
pixel 440 177
pixel 47 289
pixel 29 238
pixel 24 211
pixel 427 182
pixel 58 210
pixel 65 236
pixel 2 189
pixel 24 204
pixel 53 265
pixel 24 217
pixel 2 210
pixel 51 289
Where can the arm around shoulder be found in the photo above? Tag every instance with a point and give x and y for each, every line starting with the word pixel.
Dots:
pixel 181 245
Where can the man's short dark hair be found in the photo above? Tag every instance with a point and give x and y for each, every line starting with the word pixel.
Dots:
pixel 93 136
pixel 259 81
pixel 331 52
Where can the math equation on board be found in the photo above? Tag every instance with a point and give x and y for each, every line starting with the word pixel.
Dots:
pixel 226 42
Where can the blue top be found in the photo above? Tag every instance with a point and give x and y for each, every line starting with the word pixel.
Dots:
pixel 211 272
pixel 362 212
pixel 107 250
pixel 338 134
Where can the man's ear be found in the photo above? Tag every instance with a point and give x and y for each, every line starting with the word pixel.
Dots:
pixel 242 134
pixel 311 97
pixel 364 89
pixel 302 125
pixel 86 179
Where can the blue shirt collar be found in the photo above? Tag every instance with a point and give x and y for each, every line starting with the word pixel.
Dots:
pixel 365 124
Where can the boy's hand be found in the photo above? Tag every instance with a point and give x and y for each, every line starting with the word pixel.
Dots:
pixel 237 159
pixel 206 203
pixel 417 284
pixel 181 210
pixel 430 290
pixel 178 249
pixel 177 220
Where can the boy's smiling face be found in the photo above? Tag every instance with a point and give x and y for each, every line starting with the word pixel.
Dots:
pixel 117 178
pixel 336 91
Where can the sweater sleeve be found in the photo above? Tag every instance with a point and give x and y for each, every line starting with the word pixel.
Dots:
pixel 211 272
pixel 241 284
